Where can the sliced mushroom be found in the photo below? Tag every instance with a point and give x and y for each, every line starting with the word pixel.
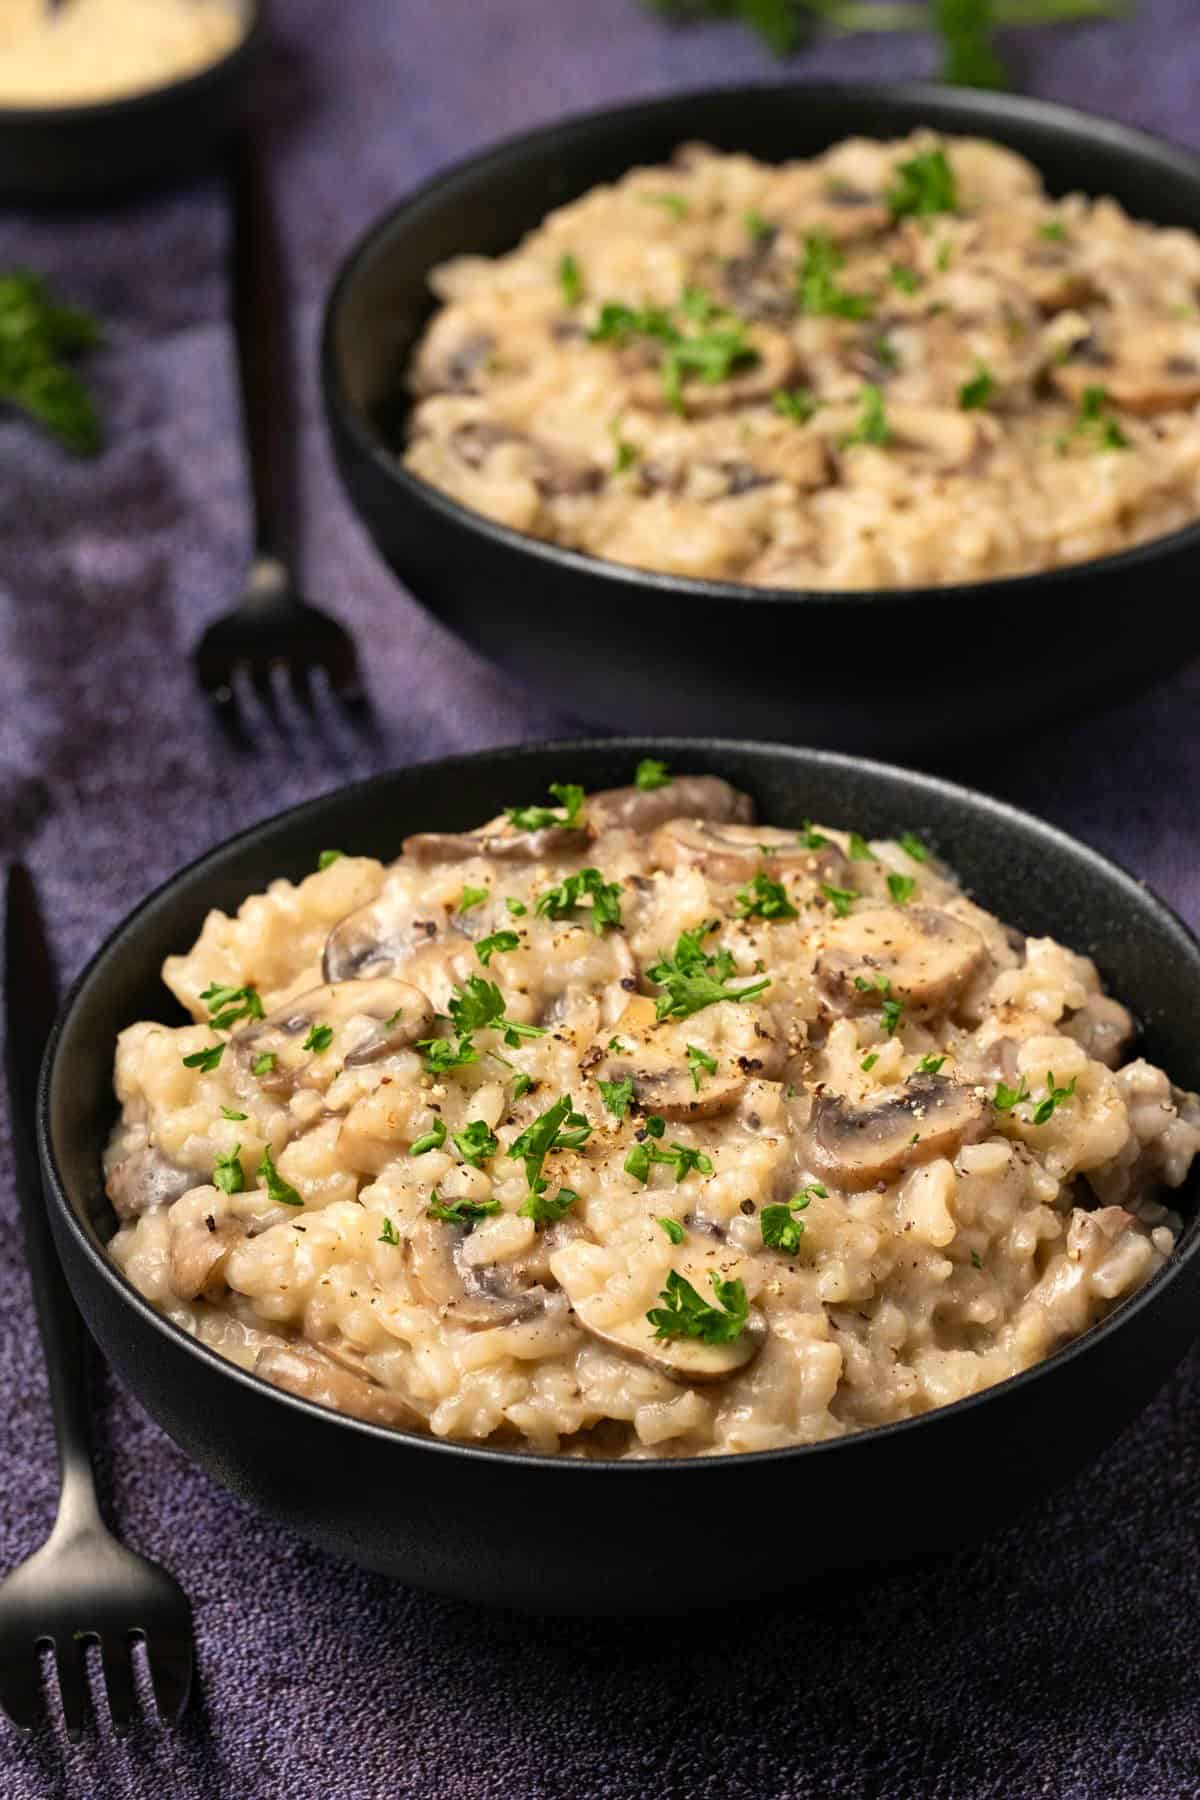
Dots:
pixel 686 1360
pixel 1139 387
pixel 370 1019
pixel 929 1116
pixel 551 472
pixel 147 1178
pixel 923 955
pixel 498 841
pixel 683 797
pixel 758 285
pixel 198 1252
pixel 949 438
pixel 739 852
pixel 662 1083
pixel 497 1294
pixel 775 365
pixel 304 1371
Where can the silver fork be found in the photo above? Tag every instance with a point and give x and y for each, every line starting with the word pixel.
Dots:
pixel 82 1587
pixel 273 635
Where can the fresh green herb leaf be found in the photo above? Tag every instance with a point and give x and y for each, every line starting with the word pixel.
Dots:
pixel 924 185
pixel 860 850
pixel 206 1060
pixel 699 1063
pixel 1005 1097
pixel 891 1010
pixel 944 257
pixel 810 838
pixel 651 774
pixel 868 1062
pixel 516 907
pixel 711 357
pixel 487 947
pixel 440 1055
pixel 796 404
pixel 227 1005
pixel 885 353
pixel 433 1139
pixel 540 818
pixel 965 27
pixel 637 1163
pixel 976 1260
pixel 569 279
pixel 901 887
pixel 37 334
pixel 1053 230
pixel 460 1212
pixel 692 979
pixel 1044 1110
pixel 685 1314
pixel 278 1190
pixel 228 1174
pixel 1092 421
pixel 319 1038
pixel 471 897
pixel 817 290
pixel 841 899
pixel 625 454
pixel 558 1128
pixel 912 846
pixel 388 1234
pixel 521 1085
pixel 328 856
pixel 757 226
pixel 561 901
pixel 476 1143
pixel 675 204
pixel 262 1065
pixel 781 1230
pixel 617 1095
pixel 872 426
pixel 976 393
pixel 904 278
pixel 546 1209
pixel 877 984
pixel 655 1125
pixel 672 1230
pixel 764 899
pixel 227 1112
pixel 929 1065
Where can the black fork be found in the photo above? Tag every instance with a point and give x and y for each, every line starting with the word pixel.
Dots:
pixel 273 638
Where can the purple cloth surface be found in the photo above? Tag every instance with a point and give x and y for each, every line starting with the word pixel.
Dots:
pixel 1055 1660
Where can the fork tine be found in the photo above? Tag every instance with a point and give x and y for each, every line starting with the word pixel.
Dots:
pixel 72 1684
pixel 23 1690
pixel 170 1661
pixel 118 1681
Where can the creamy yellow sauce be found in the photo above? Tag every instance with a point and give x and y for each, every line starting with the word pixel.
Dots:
pixel 94 50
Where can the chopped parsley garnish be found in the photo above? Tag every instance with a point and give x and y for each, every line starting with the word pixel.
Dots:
pixel 207 1059
pixel 460 1212
pixel 637 1163
pixel 433 1139
pixel 487 947
pixel 977 392
pixel 672 1230
pixel 319 1038
pixel 615 1047
pixel 477 1004
pixel 1044 1110
pixel 891 1010
pixel 817 291
pixel 911 844
pixel 625 454
pixel 686 1314
pixel 781 1230
pixel 655 1126
pixel 841 899
pixel 476 1143
pixel 547 1209
pixel 699 1063
pixel 227 1005
pixel 328 856
pixel 756 225
pixel 516 907
pixel 692 979
pixel 924 185
pixel 1092 421
pixel 901 887
pixel 712 356
pixel 1005 1097
pixel 388 1234
pixel 976 1260
pixel 860 850
pixel 944 257
pixel 262 1065
pixel 885 353
pixel 279 1190
pixel 37 335
pixel 872 426
pixel 540 818
pixel 810 838
pixel 227 1112
pixel 227 1172
pixel 1053 230
pixel 470 898
pixel 440 1055
pixel 558 1128
pixel 679 1157
pixel 868 1062
pixel 675 204
pixel 929 1065
pixel 617 1095
pixel 521 1084
pixel 651 774
pixel 904 278
pixel 764 899
pixel 796 404
pixel 569 279
pixel 561 901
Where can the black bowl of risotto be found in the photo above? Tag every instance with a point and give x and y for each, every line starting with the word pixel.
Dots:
pixel 681 1147
pixel 807 415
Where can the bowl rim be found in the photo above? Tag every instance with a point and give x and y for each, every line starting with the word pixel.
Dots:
pixel 1002 814
pixel 970 106
pixel 89 112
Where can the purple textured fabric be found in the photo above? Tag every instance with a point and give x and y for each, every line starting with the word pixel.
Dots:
pixel 1056 1660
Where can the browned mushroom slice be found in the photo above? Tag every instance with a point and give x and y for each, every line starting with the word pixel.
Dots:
pixel 739 852
pixel 775 365
pixel 857 1146
pixel 198 1252
pixel 497 1294
pixel 147 1178
pixel 686 1360
pixel 369 1020
pixel 683 797
pixel 1137 384
pixel 918 954
pixel 498 842
pixel 306 1372
pixel 662 1083
pixel 452 369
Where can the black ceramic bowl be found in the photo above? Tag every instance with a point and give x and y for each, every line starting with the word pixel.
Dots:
pixel 109 147
pixel 905 671
pixel 612 1537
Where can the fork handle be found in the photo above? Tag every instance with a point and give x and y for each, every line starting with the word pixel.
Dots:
pixel 265 377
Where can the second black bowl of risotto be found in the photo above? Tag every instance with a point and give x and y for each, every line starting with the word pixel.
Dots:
pixel 511 1170
pixel 862 416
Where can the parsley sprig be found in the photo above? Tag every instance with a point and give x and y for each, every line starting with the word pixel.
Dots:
pixel 693 979
pixel 686 1314
pixel 764 899
pixel 37 335
pixel 711 355
pixel 817 290
pixel 540 818
pixel 568 897
pixel 780 1228
pixel 226 1005
pixel 924 185
pixel 560 1127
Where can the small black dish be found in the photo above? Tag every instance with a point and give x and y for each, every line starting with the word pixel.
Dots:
pixel 617 1537
pixel 900 672
pixel 107 148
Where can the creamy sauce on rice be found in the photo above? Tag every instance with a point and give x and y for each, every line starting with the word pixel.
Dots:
pixel 93 50
pixel 630 1127
pixel 897 364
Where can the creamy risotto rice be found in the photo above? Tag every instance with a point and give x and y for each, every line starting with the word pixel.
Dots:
pixel 896 364
pixel 103 49
pixel 627 1126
